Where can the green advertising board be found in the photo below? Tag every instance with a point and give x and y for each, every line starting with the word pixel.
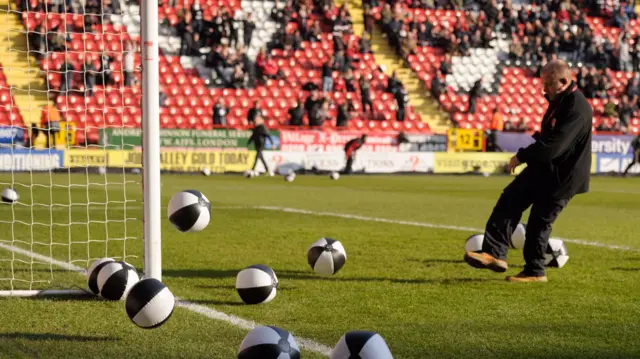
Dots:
pixel 127 138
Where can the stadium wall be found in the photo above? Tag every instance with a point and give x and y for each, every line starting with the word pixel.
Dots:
pixel 241 159
pixel 223 150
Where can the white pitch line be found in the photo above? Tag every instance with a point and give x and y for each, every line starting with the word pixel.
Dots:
pixel 101 208
pixel 428 225
pixel 211 313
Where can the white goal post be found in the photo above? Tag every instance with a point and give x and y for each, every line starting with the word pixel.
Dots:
pixel 71 210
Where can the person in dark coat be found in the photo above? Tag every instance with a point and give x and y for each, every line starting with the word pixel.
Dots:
pixel 474 93
pixel 220 113
pixel 254 113
pixel 296 115
pixel 558 168
pixel 350 149
pixel 248 27
pixel 259 138
pixel 636 154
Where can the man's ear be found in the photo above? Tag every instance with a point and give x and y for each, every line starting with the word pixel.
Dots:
pixel 564 81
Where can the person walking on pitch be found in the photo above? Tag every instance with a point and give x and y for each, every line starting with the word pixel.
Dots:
pixel 558 168
pixel 259 137
pixel 636 154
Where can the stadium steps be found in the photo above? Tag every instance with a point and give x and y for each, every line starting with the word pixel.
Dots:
pixel 419 98
pixel 22 72
pixel 357 19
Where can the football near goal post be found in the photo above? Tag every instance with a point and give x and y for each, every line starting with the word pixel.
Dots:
pixel 71 70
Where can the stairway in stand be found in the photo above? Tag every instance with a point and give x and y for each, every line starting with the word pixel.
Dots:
pixel 424 105
pixel 22 72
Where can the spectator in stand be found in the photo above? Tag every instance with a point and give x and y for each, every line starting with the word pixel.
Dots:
pixel 625 112
pixel 437 86
pixel 393 83
pixel 220 113
pixel 365 94
pixel 610 108
pixel 267 67
pixel 197 15
pixel 296 114
pixel 105 79
pixel 37 41
pixel 349 81
pixel 314 99
pixel 633 90
pixel 248 27
pixel 327 74
pixel 192 45
pixel 162 99
pixel 474 93
pixel 625 62
pixel 342 120
pixel 350 149
pixel 233 25
pixel 620 19
pixel 128 64
pixel 402 100
pixel 50 121
pixel 369 21
pixel 185 32
pixel 293 41
pixel 319 113
pixel 364 45
pixel 254 113
pixel 66 75
pixel 446 66
pixel 90 73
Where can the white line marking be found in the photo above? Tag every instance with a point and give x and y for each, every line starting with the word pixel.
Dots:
pixel 304 343
pixel 211 313
pixel 428 225
pixel 112 207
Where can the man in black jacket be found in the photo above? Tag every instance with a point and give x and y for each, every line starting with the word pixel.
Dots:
pixel 636 154
pixel 558 168
pixel 259 137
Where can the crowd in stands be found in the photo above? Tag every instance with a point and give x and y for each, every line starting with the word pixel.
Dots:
pixel 539 32
pixel 600 38
pixel 300 22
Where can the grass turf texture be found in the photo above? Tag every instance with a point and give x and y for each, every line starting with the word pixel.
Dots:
pixel 407 283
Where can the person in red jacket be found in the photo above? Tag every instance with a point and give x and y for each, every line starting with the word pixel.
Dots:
pixel 350 149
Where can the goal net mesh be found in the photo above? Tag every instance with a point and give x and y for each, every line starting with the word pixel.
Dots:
pixel 70 68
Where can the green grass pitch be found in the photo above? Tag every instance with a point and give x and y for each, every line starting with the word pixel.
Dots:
pixel 407 282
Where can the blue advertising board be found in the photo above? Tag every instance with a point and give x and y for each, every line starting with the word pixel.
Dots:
pixel 612 144
pixel 605 144
pixel 11 135
pixel 513 141
pixel 17 160
pixel 616 163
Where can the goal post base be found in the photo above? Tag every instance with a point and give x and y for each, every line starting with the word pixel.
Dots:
pixel 46 293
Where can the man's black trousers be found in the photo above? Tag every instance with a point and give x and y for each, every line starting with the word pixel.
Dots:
pixel 515 199
pixel 260 156
pixel 349 167
pixel 636 159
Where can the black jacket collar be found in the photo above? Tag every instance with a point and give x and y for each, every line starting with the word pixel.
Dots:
pixel 561 95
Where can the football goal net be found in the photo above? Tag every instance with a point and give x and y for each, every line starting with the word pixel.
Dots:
pixel 71 72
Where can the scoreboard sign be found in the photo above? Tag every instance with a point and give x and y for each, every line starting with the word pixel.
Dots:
pixel 465 139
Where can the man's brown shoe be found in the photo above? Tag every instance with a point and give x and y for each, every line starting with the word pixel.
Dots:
pixel 525 278
pixel 484 260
